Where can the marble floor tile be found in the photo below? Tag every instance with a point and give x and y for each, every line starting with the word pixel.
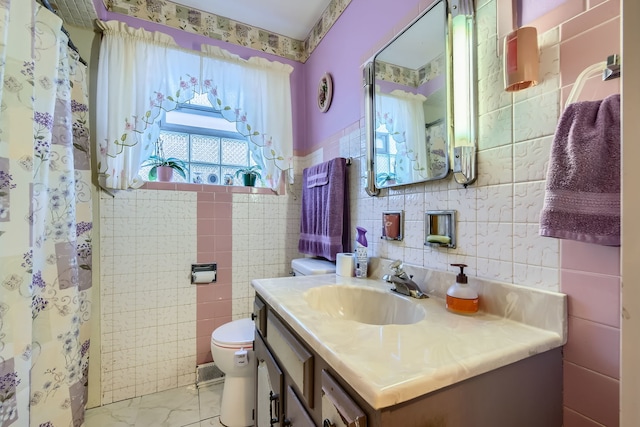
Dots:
pixel 179 407
pixel 119 414
pixel 170 408
pixel 210 399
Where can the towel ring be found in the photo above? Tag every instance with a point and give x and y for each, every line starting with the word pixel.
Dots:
pixel 588 72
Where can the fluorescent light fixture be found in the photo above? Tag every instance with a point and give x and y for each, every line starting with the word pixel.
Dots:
pixel 464 87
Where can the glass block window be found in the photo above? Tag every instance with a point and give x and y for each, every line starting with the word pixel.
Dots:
pixel 210 145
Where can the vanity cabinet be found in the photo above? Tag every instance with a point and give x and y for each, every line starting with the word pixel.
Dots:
pixel 292 389
pixel 527 393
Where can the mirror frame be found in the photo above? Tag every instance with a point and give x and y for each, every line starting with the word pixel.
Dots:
pixel 462 159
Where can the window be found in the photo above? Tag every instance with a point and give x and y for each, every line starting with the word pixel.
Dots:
pixel 386 151
pixel 209 144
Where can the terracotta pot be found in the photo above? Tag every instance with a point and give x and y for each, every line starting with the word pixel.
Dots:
pixel 165 173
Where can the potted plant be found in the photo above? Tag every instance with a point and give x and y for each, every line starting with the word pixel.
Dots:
pixel 384 178
pixel 249 175
pixel 162 167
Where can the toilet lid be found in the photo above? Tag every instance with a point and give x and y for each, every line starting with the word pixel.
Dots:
pixel 240 331
pixel 312 266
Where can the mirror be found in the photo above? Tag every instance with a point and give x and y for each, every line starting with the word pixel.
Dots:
pixel 409 104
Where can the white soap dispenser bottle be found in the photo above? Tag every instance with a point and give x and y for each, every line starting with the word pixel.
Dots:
pixel 462 298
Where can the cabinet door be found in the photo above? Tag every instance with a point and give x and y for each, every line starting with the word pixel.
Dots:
pixel 269 387
pixel 296 415
pixel 259 315
pixel 338 409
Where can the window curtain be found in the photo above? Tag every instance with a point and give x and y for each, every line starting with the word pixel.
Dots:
pixel 255 94
pixel 403 114
pixel 45 222
pixel 141 75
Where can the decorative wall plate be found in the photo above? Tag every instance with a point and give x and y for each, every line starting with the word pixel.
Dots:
pixel 325 92
pixel 212 178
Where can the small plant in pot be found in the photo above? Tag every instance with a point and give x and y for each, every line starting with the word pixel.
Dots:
pixel 249 175
pixel 384 178
pixel 162 167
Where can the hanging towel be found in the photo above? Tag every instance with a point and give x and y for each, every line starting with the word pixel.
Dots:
pixel 582 198
pixel 324 220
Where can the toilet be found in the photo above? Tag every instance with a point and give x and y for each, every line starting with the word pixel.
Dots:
pixel 232 351
pixel 312 266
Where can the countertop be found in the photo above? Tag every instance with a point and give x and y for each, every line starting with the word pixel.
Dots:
pixel 391 364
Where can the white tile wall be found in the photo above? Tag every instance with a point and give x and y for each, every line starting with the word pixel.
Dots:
pixel 148 317
pixel 265 239
pixel 498 215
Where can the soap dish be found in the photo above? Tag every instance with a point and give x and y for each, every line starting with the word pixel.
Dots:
pixel 440 229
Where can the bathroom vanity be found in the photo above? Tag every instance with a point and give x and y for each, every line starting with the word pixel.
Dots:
pixel 340 351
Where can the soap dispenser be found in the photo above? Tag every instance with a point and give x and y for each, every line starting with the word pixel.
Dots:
pixel 462 298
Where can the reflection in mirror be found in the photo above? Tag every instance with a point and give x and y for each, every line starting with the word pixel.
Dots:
pixel 409 101
pixel 410 104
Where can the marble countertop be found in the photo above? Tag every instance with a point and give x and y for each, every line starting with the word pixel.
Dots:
pixel 390 364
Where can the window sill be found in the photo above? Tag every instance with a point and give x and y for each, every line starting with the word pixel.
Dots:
pixel 206 188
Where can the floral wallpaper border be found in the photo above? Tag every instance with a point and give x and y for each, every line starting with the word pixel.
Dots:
pixel 224 29
pixel 408 77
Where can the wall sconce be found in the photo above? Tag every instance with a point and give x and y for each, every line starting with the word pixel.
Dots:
pixel 464 88
pixel 521 63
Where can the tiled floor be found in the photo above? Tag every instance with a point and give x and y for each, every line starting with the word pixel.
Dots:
pixel 186 406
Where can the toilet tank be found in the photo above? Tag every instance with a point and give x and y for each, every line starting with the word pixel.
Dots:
pixel 312 266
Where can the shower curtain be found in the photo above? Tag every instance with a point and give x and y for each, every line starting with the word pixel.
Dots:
pixel 45 222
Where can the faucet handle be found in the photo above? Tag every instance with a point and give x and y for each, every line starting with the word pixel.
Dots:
pixel 397 267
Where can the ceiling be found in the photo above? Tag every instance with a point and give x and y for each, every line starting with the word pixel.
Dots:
pixel 291 18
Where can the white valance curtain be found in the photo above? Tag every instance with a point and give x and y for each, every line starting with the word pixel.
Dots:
pixel 403 114
pixel 142 75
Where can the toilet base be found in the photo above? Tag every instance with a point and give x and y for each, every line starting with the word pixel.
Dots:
pixel 238 401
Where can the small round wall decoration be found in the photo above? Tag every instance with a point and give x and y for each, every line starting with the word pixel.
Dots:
pixel 325 92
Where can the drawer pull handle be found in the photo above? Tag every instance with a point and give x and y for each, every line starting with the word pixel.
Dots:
pixel 328 423
pixel 274 397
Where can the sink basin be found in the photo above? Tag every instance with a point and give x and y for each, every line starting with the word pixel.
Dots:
pixel 364 305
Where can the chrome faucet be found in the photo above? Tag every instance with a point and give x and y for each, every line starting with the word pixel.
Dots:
pixel 403 282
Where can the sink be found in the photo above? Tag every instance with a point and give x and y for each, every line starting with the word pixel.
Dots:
pixel 364 305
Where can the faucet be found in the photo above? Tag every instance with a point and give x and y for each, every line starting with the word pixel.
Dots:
pixel 403 282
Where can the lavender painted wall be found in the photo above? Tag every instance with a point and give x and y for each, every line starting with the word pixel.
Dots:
pixel 194 41
pixel 530 10
pixel 364 25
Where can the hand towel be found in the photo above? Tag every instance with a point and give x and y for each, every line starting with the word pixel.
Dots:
pixel 582 197
pixel 324 219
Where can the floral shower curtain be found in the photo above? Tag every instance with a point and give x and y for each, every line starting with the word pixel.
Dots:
pixel 45 222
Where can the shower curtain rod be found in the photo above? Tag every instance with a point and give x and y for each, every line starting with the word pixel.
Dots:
pixel 46 4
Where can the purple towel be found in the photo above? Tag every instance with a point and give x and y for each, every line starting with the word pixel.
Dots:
pixel 582 199
pixel 324 220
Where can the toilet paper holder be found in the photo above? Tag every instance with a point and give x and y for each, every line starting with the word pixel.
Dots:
pixel 204 273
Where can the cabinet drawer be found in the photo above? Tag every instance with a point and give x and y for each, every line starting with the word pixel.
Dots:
pixel 338 409
pixel 293 356
pixel 296 414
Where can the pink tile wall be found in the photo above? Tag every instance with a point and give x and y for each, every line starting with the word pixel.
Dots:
pixel 590 274
pixel 214 244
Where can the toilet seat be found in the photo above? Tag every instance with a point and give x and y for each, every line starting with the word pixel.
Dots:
pixel 234 335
